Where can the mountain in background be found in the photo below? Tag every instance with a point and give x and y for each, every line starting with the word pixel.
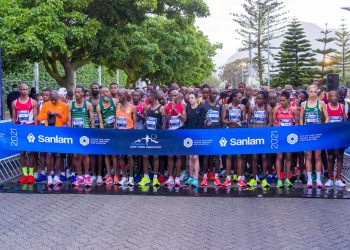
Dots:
pixel 312 32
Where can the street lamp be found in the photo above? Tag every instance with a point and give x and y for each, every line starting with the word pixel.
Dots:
pixel 243 64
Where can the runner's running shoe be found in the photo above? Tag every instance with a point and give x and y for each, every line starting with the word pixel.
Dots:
pixel 63 178
pixel 177 182
pixel 303 179
pixel 319 184
pixel 280 183
pixel 241 183
pixel 204 182
pixel 288 183
pixel 115 179
pixel 234 178
pixel 23 179
pixel 93 178
pixel 189 181
pixel 79 181
pixel 184 176
pixel 265 183
pixel 144 181
pixel 169 182
pixel 130 183
pixel 72 179
pixel 211 176
pixel 217 182
pixel 156 182
pixel 138 178
pixel 87 181
pixel 161 178
pixel 329 183
pixel 41 177
pixel 195 183
pixel 123 181
pixel 227 183
pixel 252 183
pixel 99 180
pixel 57 181
pixel 269 179
pixel 30 179
pixel 108 180
pixel 50 181
pixel 339 183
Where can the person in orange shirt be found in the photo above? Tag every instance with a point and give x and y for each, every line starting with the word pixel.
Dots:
pixel 54 113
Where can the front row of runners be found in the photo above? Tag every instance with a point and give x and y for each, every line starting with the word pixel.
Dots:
pixel 107 109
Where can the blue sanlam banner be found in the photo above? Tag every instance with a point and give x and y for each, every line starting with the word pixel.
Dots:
pixel 174 142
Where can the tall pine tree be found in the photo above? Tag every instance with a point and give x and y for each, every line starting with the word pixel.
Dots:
pixel 295 60
pixel 342 56
pixel 326 53
pixel 258 15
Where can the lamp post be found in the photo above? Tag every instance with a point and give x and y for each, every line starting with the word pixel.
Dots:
pixel 242 67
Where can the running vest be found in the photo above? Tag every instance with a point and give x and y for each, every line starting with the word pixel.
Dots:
pixel 213 114
pixel 108 114
pixel 234 114
pixel 312 115
pixel 140 123
pixel 24 112
pixel 40 104
pixel 97 121
pixel 175 122
pixel 124 118
pixel 335 115
pixel 259 116
pixel 154 118
pixel 284 119
pixel 80 116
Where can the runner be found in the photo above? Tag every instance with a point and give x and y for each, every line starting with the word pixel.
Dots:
pixel 312 112
pixel 45 94
pixel 81 115
pixel 233 116
pixel 53 113
pixel 260 115
pixel 25 111
pixel 108 109
pixel 284 115
pixel 126 119
pixel 176 117
pixel 95 100
pixel 336 113
pixel 155 119
pixel 212 120
pixel 113 88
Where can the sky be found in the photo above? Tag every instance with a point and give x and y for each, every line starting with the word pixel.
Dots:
pixel 220 28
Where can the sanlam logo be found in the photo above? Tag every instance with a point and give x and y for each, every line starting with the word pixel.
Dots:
pixel 247 141
pixel 50 139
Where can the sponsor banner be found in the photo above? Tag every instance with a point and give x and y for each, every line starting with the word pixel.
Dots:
pixel 174 142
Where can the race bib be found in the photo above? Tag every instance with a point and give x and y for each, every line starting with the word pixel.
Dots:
pixel 151 123
pixel 213 116
pixel 175 122
pixel 333 119
pixel 286 122
pixel 97 121
pixel 234 115
pixel 78 122
pixel 110 120
pixel 121 122
pixel 311 118
pixel 260 117
pixel 23 116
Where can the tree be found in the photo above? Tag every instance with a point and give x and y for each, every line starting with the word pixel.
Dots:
pixel 74 33
pixel 163 51
pixel 257 17
pixel 342 56
pixel 295 60
pixel 325 52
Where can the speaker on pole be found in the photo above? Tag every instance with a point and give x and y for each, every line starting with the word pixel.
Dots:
pixel 332 82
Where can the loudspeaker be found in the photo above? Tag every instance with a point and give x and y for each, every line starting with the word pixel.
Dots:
pixel 332 82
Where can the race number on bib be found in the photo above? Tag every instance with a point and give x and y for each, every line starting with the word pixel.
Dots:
pixel 234 115
pixel 23 116
pixel 311 118
pixel 97 121
pixel 121 122
pixel 213 116
pixel 78 122
pixel 333 119
pixel 175 122
pixel 286 122
pixel 151 123
pixel 110 120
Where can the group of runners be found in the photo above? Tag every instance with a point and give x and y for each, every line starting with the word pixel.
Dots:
pixel 177 108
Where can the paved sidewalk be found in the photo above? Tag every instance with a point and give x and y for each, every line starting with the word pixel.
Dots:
pixel 71 221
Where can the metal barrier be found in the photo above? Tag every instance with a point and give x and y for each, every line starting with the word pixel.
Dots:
pixel 346 167
pixel 9 168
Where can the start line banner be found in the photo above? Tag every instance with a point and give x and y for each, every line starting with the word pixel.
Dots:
pixel 174 142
